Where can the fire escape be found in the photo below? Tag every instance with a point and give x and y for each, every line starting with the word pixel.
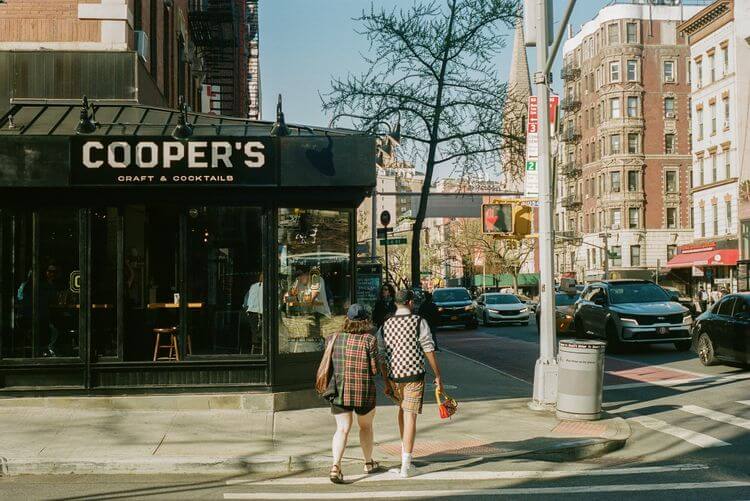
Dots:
pixel 214 29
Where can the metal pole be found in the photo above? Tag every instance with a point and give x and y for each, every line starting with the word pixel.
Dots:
pixel 658 270
pixel 374 222
pixel 606 255
pixel 387 279
pixel 545 369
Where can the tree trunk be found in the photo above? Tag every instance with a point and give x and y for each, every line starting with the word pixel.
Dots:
pixel 416 263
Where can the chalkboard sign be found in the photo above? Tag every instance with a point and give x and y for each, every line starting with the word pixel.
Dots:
pixel 368 283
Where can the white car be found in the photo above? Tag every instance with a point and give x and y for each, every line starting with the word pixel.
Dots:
pixel 499 308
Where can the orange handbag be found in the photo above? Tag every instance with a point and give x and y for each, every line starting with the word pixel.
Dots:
pixel 447 405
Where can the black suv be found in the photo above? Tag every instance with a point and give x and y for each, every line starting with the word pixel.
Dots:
pixel 455 307
pixel 632 311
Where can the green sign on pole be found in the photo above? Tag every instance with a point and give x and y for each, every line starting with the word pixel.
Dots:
pixel 393 241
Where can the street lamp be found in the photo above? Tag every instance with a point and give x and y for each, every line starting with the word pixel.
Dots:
pixel 87 123
pixel 279 126
pixel 183 130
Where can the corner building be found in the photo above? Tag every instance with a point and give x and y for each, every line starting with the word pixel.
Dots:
pixel 624 170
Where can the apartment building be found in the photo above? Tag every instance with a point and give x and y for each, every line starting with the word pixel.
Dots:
pixel 716 36
pixel 624 165
pixel 155 52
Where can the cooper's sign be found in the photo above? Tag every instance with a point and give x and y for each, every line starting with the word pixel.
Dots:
pixel 159 161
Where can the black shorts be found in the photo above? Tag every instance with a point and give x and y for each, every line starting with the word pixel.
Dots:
pixel 343 409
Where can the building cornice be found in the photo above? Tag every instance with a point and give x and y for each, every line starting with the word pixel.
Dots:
pixel 708 20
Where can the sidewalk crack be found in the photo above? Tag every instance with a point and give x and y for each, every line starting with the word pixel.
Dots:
pixel 163 437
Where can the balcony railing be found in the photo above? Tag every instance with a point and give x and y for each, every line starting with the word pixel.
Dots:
pixel 570 103
pixel 571 169
pixel 570 72
pixel 570 135
pixel 569 235
pixel 571 201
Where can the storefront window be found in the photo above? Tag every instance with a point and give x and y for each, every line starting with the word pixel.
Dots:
pixel 104 243
pixel 18 300
pixel 314 276
pixel 225 281
pixel 149 275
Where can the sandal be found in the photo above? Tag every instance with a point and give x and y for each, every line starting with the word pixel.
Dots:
pixel 372 466
pixel 335 475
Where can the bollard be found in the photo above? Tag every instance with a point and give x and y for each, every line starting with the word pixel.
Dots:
pixel 580 365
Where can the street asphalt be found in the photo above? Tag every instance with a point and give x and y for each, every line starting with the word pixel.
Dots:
pixel 690 441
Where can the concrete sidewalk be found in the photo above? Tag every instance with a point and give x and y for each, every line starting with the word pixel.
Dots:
pixel 43 436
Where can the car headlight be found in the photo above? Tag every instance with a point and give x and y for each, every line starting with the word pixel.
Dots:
pixel 631 321
pixel 687 320
pixel 469 308
pixel 441 309
pixel 524 310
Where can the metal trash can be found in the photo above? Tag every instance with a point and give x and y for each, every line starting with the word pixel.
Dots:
pixel 580 364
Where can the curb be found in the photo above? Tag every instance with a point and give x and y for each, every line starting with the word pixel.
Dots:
pixel 568 450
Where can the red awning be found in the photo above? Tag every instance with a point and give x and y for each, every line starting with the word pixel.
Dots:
pixel 722 257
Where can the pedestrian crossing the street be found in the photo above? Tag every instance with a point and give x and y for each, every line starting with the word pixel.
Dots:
pixel 691 436
pixel 453 483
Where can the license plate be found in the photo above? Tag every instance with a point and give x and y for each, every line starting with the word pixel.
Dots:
pixel 454 317
pixel 662 330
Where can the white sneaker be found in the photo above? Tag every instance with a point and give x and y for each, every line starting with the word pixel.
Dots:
pixel 409 472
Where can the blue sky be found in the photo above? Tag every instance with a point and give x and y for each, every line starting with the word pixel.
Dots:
pixel 304 42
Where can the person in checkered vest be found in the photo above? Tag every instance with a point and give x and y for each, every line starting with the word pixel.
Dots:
pixel 404 342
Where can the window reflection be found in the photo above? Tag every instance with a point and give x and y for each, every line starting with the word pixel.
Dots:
pixel 104 227
pixel 314 277
pixel 17 247
pixel 225 291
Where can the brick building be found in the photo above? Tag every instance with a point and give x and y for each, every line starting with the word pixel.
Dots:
pixel 148 51
pixel 624 166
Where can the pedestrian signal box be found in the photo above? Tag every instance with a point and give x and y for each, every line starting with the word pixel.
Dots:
pixel 508 219
pixel 497 219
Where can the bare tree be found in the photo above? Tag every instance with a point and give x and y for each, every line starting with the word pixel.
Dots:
pixel 431 68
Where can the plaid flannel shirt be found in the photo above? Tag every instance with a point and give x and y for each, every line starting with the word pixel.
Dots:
pixel 355 362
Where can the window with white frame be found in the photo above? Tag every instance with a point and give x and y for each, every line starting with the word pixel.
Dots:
pixel 631 70
pixel 711 68
pixel 632 106
pixel 703 222
pixel 613 34
pixel 671 217
pixel 631 30
pixel 614 144
pixel 633 141
pixel 633 217
pixel 669 107
pixel 614 107
pixel 615 255
pixel 728 209
pixel 699 121
pixel 635 255
pixel 670 148
pixel 727 165
pixel 725 59
pixel 614 71
pixel 632 180
pixel 712 110
pixel 701 172
pixel 615 219
pixel 614 182
pixel 715 209
pixel 670 181
pixel 699 72
pixel 726 113
pixel 714 168
pixel 668 71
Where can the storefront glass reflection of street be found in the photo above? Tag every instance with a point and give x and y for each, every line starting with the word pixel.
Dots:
pixel 314 276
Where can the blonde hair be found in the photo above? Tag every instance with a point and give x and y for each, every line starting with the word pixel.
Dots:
pixel 357 326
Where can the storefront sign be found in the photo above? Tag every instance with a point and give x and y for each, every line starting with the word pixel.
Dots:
pixel 693 248
pixel 697 272
pixel 105 161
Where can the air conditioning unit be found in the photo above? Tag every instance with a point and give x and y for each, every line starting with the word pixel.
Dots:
pixel 726 124
pixel 669 79
pixel 670 114
pixel 141 45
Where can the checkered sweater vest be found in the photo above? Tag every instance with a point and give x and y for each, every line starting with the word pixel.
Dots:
pixel 402 346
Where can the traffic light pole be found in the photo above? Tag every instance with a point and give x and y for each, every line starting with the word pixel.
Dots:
pixel 545 369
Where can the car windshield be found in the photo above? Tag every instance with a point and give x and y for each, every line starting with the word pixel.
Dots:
pixel 501 299
pixel 448 295
pixel 566 299
pixel 636 293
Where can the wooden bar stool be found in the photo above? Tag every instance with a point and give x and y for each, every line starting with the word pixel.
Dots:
pixel 174 352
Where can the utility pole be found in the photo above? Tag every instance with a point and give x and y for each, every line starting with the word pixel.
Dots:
pixel 545 369
pixel 605 241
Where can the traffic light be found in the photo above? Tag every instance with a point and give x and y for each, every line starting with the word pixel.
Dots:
pixel 497 219
pixel 509 219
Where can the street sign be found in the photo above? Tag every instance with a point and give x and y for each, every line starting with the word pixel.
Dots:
pixel 383 232
pixel 394 241
pixel 385 218
pixel 531 187
pixel 425 273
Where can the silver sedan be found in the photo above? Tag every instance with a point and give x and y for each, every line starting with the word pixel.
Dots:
pixel 499 308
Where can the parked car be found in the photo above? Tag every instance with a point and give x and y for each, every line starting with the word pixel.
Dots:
pixel 455 307
pixel 564 310
pixel 530 303
pixel 632 311
pixel 721 334
pixel 499 308
pixel 678 297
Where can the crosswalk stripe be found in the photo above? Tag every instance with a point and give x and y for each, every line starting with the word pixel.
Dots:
pixel 695 383
pixel 743 402
pixel 717 416
pixel 488 492
pixel 474 475
pixel 693 437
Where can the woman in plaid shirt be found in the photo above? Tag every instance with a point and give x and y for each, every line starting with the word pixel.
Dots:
pixel 355 362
